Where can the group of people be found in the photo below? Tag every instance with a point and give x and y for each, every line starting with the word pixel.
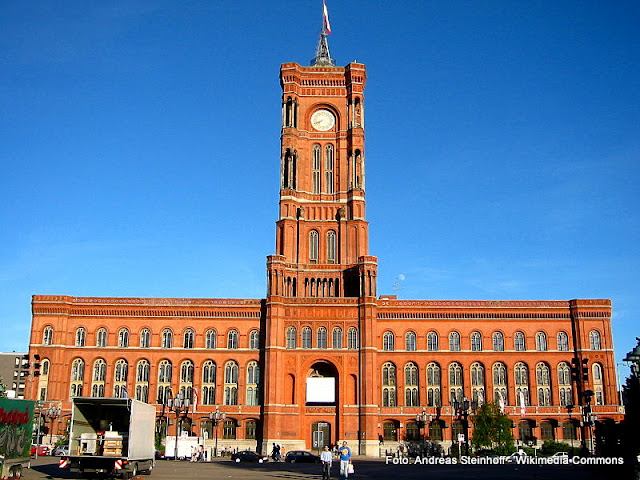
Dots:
pixel 198 454
pixel 277 452
pixel 344 455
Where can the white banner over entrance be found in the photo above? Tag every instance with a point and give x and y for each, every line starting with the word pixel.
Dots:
pixel 321 390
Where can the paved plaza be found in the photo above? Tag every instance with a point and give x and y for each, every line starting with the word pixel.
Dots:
pixel 366 469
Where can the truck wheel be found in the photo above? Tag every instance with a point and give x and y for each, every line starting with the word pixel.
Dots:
pixel 15 472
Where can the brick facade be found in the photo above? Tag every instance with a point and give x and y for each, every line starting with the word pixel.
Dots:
pixel 391 359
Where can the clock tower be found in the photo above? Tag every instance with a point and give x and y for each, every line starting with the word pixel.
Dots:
pixel 321 281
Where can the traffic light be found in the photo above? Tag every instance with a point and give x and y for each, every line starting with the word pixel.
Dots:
pixel 36 365
pixel 575 370
pixel 585 370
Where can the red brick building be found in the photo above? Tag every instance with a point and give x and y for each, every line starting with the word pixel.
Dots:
pixel 323 357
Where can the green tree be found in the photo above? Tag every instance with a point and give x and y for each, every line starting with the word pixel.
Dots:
pixel 491 428
pixel 3 389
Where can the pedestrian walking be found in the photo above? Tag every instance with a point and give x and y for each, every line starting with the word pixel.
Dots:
pixel 345 460
pixel 326 458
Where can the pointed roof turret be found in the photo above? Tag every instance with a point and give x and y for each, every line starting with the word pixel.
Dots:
pixel 323 57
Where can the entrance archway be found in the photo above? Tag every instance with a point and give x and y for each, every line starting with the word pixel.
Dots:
pixel 322 401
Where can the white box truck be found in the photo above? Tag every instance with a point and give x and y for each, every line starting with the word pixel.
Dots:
pixel 111 436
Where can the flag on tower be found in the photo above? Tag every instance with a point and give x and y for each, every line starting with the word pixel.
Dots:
pixel 327 25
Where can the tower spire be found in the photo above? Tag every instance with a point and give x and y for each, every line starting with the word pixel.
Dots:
pixel 323 57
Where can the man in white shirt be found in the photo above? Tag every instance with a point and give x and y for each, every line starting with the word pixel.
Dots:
pixel 326 459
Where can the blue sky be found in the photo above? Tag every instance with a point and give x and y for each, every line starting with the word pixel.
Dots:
pixel 140 147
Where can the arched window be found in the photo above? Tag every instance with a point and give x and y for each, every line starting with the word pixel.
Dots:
pixel 336 338
pixel 331 247
pixel 145 338
pixel 315 168
pixel 229 428
pixel 188 338
pixel 292 335
pixel 77 378
pixel 521 374
pixel 541 342
pixel 47 335
pixel 313 246
pixel 209 383
pixel 81 337
pixel 123 338
pixel 164 380
pixel 498 342
pixel 595 340
pixel 250 429
pixel 432 341
pixel 433 385
pixel 231 383
pixel 454 341
pixel 120 378
pixel 254 339
pixel 143 370
pixel 598 384
pixel 563 341
pixel 410 342
pixel 388 385
pixel 167 338
pixel 306 337
pixel 518 342
pixel 456 387
pixel 99 374
pixel 477 383
pixel 101 337
pixel 253 379
pixel 352 338
pixel 411 397
pixel 186 378
pixel 232 339
pixel 388 342
pixel 322 338
pixel 211 339
pixel 544 384
pixel 500 390
pixel 476 342
pixel 564 384
pixel 328 164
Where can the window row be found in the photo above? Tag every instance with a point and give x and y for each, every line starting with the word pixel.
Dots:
pixel 477 341
pixel 188 338
pixel 185 381
pixel 330 247
pixel 320 339
pixel 518 382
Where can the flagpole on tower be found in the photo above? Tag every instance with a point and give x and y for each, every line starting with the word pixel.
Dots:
pixel 323 57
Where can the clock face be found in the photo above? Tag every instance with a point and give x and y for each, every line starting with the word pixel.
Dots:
pixel 323 120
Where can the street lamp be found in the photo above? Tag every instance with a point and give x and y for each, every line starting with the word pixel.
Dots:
pixel 587 418
pixel 215 418
pixel 462 412
pixel 177 404
pixel 421 420
pixel 570 408
pixel 52 413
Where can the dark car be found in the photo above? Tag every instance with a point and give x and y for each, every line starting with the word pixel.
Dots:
pixel 248 456
pixel 300 456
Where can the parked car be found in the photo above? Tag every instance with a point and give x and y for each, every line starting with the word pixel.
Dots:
pixel 560 454
pixel 42 450
pixel 61 451
pixel 515 455
pixel 301 456
pixel 248 456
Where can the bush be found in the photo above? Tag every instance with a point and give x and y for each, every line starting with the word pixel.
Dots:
pixel 550 447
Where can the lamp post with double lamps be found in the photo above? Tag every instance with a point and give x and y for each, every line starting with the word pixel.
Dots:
pixel 215 418
pixel 462 412
pixel 421 420
pixel 178 404
pixel 52 413
pixel 570 408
